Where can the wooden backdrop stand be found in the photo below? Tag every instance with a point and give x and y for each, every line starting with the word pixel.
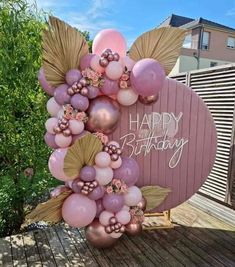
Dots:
pixel 158 220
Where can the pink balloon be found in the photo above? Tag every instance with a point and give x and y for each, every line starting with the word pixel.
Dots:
pixel 123 216
pixel 56 164
pixel 103 175
pixel 95 65
pixel 109 38
pixel 114 70
pixel 105 217
pixel 116 164
pixel 110 87
pixel 78 210
pixel 76 126
pixel 133 196
pixel 128 63
pixel 63 141
pixel 127 97
pixel 99 207
pixel 51 124
pixel 102 159
pixel 147 77
pixel 44 83
pixel 50 140
pixel 85 61
pixel 53 107
pixel 72 76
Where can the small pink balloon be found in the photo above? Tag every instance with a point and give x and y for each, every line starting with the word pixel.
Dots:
pixel 127 97
pixel 110 87
pixel 105 216
pixel 95 65
pixel 103 175
pixel 78 210
pixel 109 38
pixel 125 207
pixel 123 216
pixel 116 164
pixel 133 196
pixel 61 95
pixel 72 76
pixel 97 193
pixel 76 126
pixel 102 159
pixel 63 141
pixel 50 140
pixel 128 63
pixel 44 83
pixel 53 107
pixel 85 61
pixel 50 124
pixel 56 164
pixel 114 70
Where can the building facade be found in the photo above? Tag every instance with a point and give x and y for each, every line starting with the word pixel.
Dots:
pixel 207 44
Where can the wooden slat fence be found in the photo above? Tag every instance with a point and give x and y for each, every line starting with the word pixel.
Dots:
pixel 216 86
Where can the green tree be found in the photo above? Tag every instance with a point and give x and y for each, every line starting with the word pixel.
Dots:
pixel 24 175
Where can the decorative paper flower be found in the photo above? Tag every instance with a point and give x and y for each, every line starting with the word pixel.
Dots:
pixel 116 186
pixel 137 215
pixel 103 138
pixel 123 84
pixel 109 189
pixel 81 116
pixel 95 78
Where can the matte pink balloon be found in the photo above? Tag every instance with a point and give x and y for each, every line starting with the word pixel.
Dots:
pixel 102 159
pixel 95 65
pixel 80 102
pixel 88 173
pixel 123 216
pixel 61 95
pixel 127 97
pixel 76 126
pixel 93 92
pixel 109 38
pixel 78 210
pixel 133 196
pixel 56 164
pixel 105 217
pixel 50 124
pixel 103 175
pixel 50 140
pixel 147 77
pixel 116 164
pixel 99 207
pixel 75 186
pixel 128 63
pixel 114 70
pixel 110 87
pixel 113 202
pixel 53 107
pixel 85 61
pixel 72 76
pixel 44 83
pixel 63 141
pixel 97 193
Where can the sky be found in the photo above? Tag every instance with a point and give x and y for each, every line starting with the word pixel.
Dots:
pixel 133 18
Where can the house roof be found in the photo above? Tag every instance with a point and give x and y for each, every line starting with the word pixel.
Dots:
pixel 185 22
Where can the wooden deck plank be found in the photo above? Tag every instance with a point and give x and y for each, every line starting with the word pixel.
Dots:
pixel 5 252
pixel 44 249
pixel 31 250
pixel 18 252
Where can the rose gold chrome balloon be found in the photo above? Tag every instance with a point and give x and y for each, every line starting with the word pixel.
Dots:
pixel 97 236
pixel 148 100
pixel 133 228
pixel 142 204
pixel 103 113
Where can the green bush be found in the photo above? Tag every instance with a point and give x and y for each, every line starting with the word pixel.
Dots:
pixel 24 176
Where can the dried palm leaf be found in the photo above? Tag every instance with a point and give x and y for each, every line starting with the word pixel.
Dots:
pixel 63 47
pixel 154 195
pixel 81 153
pixel 50 210
pixel 162 44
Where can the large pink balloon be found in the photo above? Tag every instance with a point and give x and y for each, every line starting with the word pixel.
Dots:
pixel 44 83
pixel 109 38
pixel 78 210
pixel 56 164
pixel 147 77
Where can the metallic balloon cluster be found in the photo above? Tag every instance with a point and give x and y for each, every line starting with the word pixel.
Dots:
pixel 79 87
pixel 114 226
pixel 63 127
pixel 108 56
pixel 87 187
pixel 114 151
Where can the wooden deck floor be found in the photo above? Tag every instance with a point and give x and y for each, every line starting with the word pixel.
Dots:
pixel 198 239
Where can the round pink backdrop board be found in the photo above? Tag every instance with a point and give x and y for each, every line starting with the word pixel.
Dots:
pixel 174 141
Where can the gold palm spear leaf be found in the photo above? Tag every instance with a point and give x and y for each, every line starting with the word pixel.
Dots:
pixel 63 47
pixel 81 153
pixel 162 44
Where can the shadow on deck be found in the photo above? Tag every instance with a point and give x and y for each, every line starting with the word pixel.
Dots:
pixel 198 239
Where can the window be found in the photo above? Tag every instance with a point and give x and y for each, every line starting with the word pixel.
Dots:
pixel 187 41
pixel 213 64
pixel 205 40
pixel 231 42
